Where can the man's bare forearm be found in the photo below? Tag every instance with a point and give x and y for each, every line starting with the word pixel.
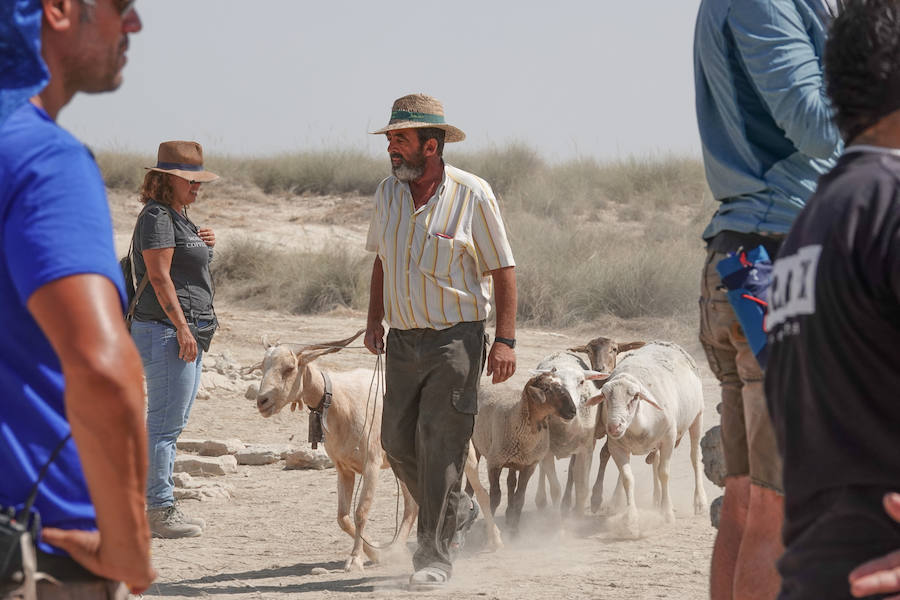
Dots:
pixel 505 301
pixel 376 293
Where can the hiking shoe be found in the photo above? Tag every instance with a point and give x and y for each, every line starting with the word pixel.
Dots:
pixel 431 577
pixel 188 519
pixel 168 522
pixel 459 538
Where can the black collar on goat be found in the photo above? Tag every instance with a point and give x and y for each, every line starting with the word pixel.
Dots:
pixel 318 416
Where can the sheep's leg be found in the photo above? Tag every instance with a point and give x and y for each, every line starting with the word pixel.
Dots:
pixel 517 501
pixel 699 493
pixel 664 460
pixel 494 483
pixel 552 479
pixel 622 457
pixel 565 505
pixel 493 532
pixel 510 490
pixel 582 476
pixel 346 479
pixel 657 493
pixel 540 498
pixel 597 492
pixel 410 512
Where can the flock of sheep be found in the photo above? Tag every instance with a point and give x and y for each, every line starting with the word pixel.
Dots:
pixel 641 397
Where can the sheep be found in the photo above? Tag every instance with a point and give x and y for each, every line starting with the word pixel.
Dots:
pixel 352 430
pixel 573 438
pixel 514 434
pixel 603 353
pixel 651 398
pixel 353 435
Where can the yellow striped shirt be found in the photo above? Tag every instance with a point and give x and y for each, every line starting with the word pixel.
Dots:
pixel 436 259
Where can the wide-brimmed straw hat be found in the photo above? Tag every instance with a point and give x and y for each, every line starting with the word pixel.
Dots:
pixel 184 159
pixel 419 110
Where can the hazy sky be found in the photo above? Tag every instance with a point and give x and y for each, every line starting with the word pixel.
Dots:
pixel 597 78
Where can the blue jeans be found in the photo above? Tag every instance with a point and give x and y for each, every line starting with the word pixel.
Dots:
pixel 172 385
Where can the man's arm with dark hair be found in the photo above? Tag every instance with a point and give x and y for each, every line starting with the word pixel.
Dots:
pixel 882 575
pixel 501 362
pixel 780 59
pixel 374 339
pixel 104 400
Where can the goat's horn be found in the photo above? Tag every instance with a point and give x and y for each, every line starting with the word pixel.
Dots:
pixel 316 350
pixel 251 368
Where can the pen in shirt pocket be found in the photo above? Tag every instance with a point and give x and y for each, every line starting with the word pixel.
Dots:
pixel 443 236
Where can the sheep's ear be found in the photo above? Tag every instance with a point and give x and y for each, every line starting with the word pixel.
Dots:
pixel 582 349
pixel 631 346
pixel 535 394
pixel 538 371
pixel 592 375
pixel 645 396
pixel 595 399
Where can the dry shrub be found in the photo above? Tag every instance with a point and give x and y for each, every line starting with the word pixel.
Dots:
pixel 319 172
pixel 268 277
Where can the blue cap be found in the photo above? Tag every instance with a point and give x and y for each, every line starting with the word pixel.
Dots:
pixel 22 70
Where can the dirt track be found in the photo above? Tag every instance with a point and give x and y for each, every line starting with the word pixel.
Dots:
pixel 278 537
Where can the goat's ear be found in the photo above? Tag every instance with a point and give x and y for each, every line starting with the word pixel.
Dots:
pixel 582 349
pixel 631 346
pixel 645 396
pixel 265 342
pixel 591 375
pixel 595 399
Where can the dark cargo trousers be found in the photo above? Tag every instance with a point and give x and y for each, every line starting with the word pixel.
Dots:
pixel 431 397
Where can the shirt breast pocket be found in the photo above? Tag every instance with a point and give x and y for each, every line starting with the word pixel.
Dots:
pixel 438 254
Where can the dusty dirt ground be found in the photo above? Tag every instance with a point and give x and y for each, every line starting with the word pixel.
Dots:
pixel 278 536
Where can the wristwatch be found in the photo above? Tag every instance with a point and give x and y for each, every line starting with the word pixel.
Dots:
pixel 511 342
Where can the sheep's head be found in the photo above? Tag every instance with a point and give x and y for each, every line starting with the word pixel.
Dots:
pixel 556 392
pixel 283 369
pixel 602 352
pixel 621 396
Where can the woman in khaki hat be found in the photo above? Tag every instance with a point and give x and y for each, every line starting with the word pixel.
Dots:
pixel 173 317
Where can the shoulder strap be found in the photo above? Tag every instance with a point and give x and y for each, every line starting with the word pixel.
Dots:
pixel 146 278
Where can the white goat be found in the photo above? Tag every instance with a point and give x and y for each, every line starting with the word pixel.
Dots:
pixel 574 437
pixel 513 434
pixel 352 435
pixel 651 398
pixel 352 429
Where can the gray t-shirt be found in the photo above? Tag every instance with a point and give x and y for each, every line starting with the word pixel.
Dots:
pixel 158 226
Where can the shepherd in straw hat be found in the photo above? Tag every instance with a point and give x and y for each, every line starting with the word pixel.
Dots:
pixel 441 247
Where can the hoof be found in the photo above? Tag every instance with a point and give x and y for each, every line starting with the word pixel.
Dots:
pixel 354 563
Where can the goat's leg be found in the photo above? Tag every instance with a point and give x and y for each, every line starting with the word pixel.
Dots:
pixel 410 511
pixel 481 495
pixel 494 483
pixel 597 492
pixel 346 479
pixel 361 517
pixel 700 503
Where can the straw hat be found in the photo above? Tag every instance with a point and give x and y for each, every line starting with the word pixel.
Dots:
pixel 184 159
pixel 419 110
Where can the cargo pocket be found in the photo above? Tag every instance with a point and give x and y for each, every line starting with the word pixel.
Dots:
pixel 464 401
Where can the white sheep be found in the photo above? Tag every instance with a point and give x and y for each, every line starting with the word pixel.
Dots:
pixel 574 437
pixel 352 429
pixel 651 398
pixel 513 434
pixel 603 353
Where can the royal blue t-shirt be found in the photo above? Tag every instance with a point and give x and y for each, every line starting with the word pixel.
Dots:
pixel 54 222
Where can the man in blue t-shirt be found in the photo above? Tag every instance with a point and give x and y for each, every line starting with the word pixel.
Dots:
pixel 67 363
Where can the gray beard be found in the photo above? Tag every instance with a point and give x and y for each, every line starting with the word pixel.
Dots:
pixel 407 172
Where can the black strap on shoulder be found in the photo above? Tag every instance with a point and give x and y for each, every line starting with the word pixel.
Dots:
pixel 29 503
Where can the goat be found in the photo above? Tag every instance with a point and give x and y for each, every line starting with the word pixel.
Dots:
pixel 651 398
pixel 352 427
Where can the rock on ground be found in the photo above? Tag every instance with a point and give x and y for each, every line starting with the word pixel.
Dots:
pixel 308 459
pixel 206 465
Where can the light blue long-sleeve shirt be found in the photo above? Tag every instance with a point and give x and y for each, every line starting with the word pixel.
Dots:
pixel 765 121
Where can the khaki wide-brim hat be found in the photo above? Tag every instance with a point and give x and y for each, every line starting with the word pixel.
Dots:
pixel 184 159
pixel 419 110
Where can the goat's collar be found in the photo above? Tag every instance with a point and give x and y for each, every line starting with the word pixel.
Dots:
pixel 318 416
